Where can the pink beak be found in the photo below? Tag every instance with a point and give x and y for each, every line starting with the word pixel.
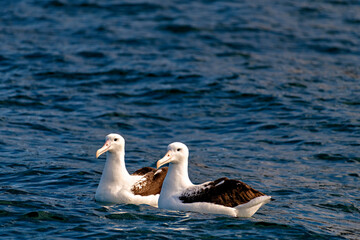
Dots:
pixel 104 148
pixel 166 159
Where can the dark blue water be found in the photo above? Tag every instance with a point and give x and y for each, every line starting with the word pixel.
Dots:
pixel 267 92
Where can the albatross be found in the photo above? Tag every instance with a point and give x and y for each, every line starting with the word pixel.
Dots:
pixel 222 196
pixel 118 186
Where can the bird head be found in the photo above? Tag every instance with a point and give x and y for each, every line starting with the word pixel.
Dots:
pixel 113 142
pixel 177 153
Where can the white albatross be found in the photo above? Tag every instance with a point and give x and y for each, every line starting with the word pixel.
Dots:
pixel 222 196
pixel 118 186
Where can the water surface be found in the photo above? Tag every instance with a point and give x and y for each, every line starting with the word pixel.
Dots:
pixel 264 92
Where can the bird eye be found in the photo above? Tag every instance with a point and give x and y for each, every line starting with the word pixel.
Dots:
pixel 179 149
pixel 115 139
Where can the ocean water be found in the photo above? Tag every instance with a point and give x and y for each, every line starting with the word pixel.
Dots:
pixel 267 92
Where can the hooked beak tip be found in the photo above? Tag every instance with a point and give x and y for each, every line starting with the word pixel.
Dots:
pixel 103 149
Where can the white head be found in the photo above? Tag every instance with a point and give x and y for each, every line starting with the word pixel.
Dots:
pixel 113 143
pixel 177 153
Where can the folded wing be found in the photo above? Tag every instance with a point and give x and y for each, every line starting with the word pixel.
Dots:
pixel 223 191
pixel 151 182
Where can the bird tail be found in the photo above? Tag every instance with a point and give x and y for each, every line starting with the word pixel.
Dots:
pixel 248 209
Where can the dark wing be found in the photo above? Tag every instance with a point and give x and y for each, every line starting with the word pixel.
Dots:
pixel 143 171
pixel 151 182
pixel 224 191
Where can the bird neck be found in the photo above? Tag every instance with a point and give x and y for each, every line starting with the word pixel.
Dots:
pixel 177 179
pixel 114 170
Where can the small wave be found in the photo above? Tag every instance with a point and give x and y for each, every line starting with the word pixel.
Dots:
pixel 91 54
pixel 331 49
pixel 80 75
pixel 38 127
pixel 336 157
pixel 348 208
pixel 45 216
pixel 178 29
pixel 16 191
pixel 124 8
pixel 24 204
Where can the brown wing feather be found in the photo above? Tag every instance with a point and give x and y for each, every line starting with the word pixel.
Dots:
pixel 223 191
pixel 143 171
pixel 151 182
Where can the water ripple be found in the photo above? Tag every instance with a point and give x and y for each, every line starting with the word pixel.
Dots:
pixel 265 92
